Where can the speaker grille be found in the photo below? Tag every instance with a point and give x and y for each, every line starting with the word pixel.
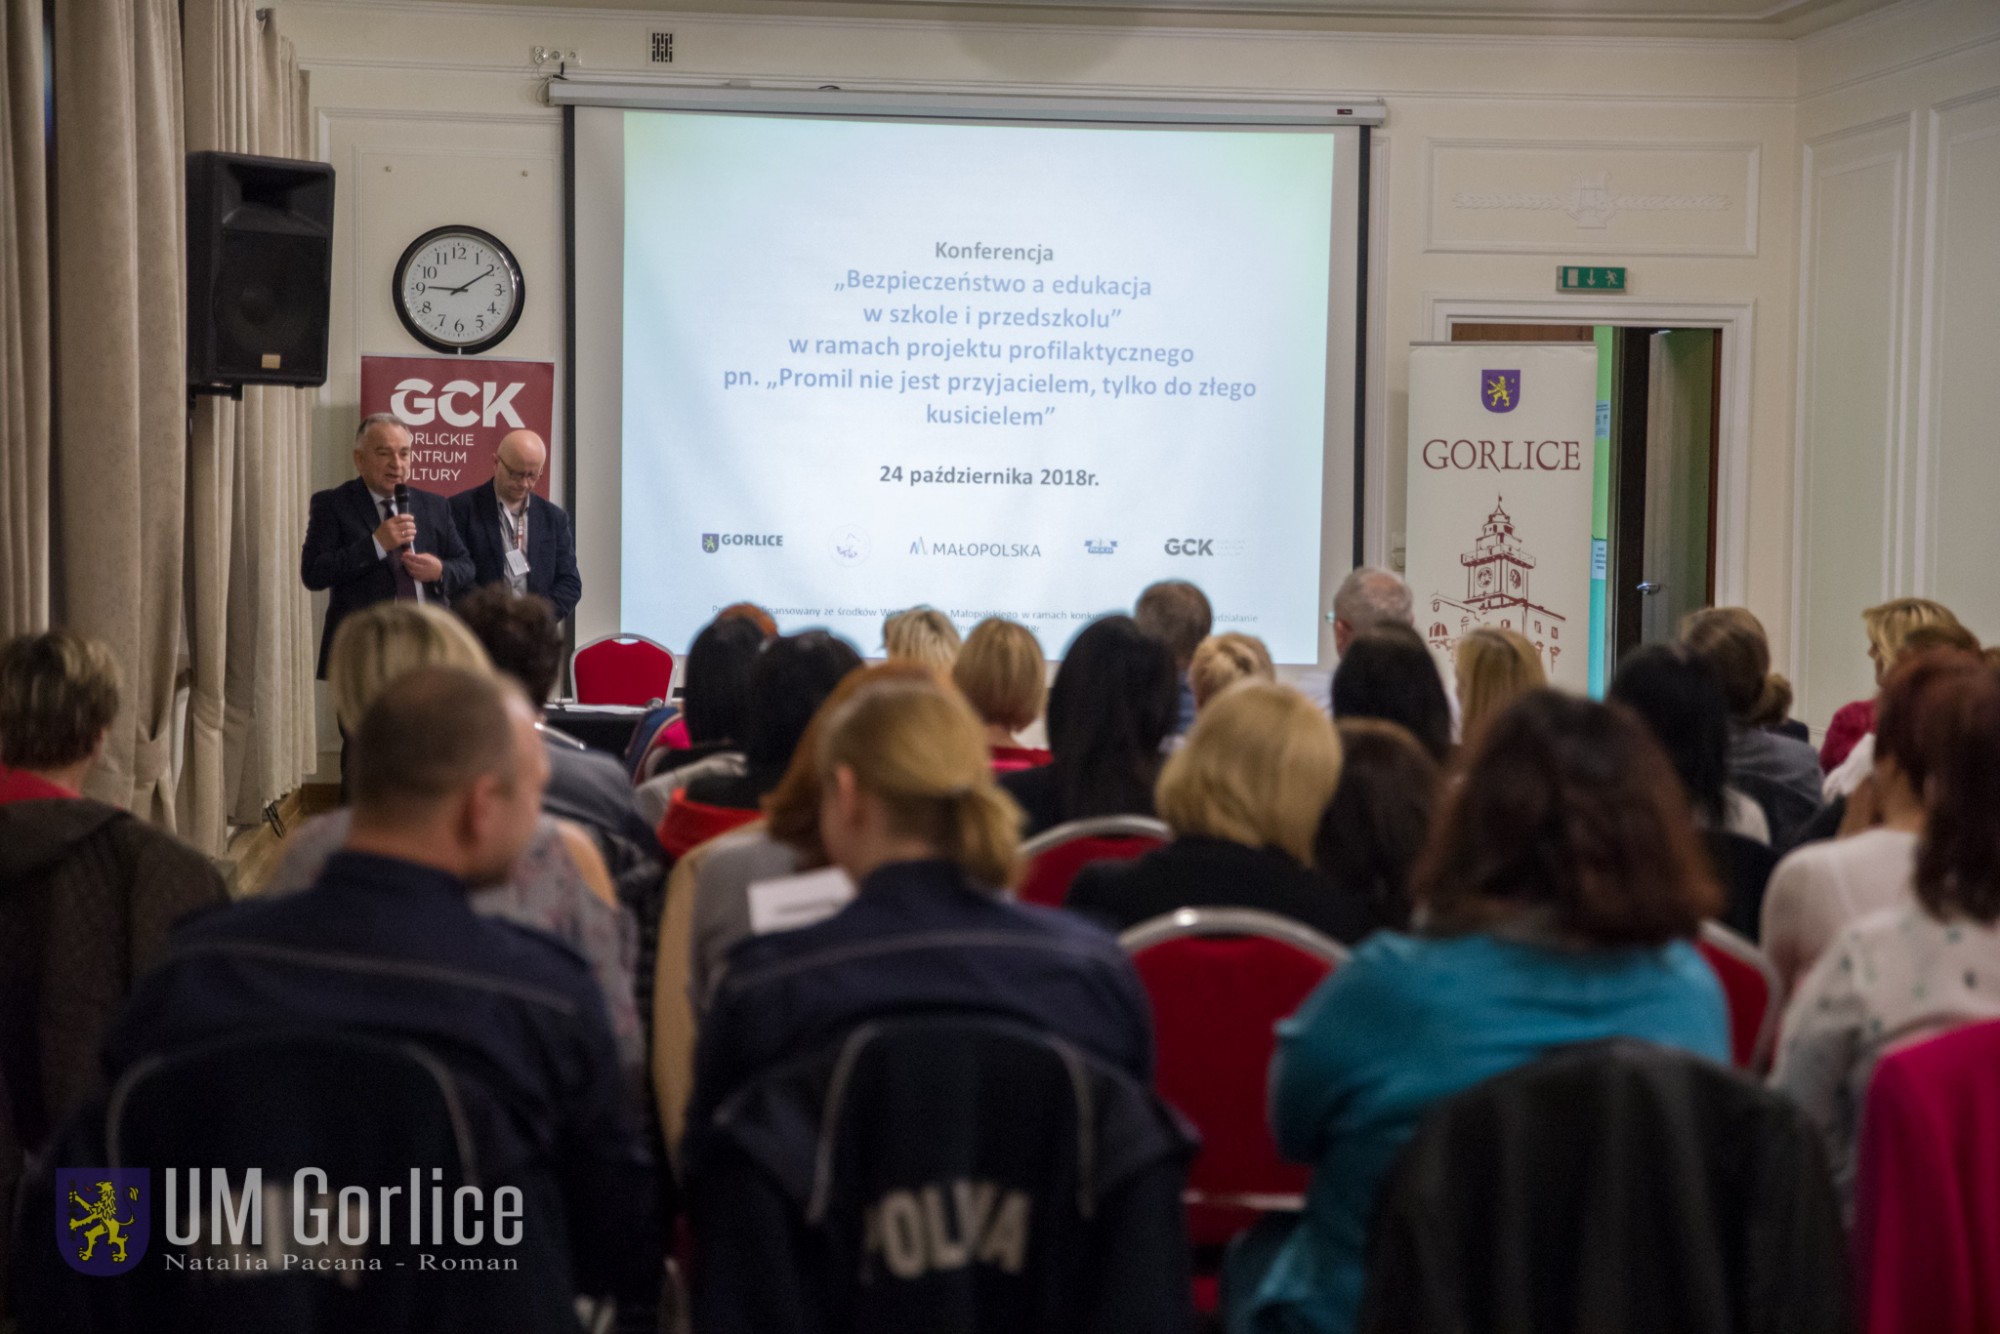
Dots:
pixel 259 264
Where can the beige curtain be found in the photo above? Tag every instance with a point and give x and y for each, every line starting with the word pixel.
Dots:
pixel 250 714
pixel 24 325
pixel 119 477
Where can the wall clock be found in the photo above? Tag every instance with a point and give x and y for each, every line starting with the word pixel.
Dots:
pixel 458 289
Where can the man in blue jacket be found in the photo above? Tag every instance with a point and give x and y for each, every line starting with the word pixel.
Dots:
pixel 448 778
pixel 362 551
pixel 515 537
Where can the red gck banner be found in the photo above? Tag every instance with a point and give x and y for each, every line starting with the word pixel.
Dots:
pixel 458 408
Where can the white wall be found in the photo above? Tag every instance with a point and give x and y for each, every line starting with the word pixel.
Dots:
pixel 1485 143
pixel 1897 444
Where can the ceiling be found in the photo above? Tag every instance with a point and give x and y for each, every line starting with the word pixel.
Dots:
pixel 1699 18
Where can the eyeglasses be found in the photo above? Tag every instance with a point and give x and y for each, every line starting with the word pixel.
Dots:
pixel 518 474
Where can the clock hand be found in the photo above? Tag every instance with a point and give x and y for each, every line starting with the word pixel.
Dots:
pixel 454 291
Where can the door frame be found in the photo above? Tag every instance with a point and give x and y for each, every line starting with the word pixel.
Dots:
pixel 1736 320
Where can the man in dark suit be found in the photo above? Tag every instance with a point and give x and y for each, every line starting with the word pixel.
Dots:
pixel 362 551
pixel 517 538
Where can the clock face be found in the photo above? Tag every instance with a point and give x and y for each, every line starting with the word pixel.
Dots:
pixel 458 289
pixel 1514 578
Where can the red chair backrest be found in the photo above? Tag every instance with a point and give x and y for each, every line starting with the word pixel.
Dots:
pixel 625 670
pixel 1927 1194
pixel 1750 987
pixel 1216 1001
pixel 1050 872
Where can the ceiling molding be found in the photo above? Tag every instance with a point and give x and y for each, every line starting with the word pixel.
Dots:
pixel 1449 22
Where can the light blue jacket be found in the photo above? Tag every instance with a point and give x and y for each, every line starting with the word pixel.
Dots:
pixel 1411 1020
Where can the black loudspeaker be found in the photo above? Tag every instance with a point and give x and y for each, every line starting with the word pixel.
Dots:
pixel 260 266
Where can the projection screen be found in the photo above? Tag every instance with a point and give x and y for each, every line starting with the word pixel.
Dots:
pixel 841 356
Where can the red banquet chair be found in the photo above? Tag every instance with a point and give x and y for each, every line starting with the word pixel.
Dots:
pixel 1750 986
pixel 1056 855
pixel 1927 1192
pixel 622 669
pixel 1219 980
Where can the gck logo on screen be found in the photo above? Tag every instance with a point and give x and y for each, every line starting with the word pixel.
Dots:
pixel 415 405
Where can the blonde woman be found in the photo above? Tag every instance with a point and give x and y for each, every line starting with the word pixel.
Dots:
pixel 1003 676
pixel 922 634
pixel 1887 627
pixel 1245 797
pixel 909 809
pixel 559 884
pixel 1220 661
pixel 1494 665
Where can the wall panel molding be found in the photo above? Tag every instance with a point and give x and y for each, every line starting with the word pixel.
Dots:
pixel 1592 197
pixel 1849 425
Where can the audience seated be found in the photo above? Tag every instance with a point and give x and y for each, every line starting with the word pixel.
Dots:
pixel 909 810
pixel 921 634
pixel 1780 773
pixel 1822 887
pixel 1177 614
pixel 1887 626
pixel 523 638
pixel 1558 894
pixel 1922 961
pixel 1111 709
pixel 789 681
pixel 559 883
pixel 1388 673
pixel 1375 827
pixel 665 728
pixel 1852 772
pixel 1220 661
pixel 1677 696
pixel 1003 676
pixel 447 777
pixel 1493 666
pixel 715 711
pixel 87 894
pixel 1244 798
pixel 709 898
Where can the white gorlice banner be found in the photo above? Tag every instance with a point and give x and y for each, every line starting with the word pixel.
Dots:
pixel 1501 468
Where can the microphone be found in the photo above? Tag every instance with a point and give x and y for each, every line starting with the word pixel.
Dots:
pixel 401 505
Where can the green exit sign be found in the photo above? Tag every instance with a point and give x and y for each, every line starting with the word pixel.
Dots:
pixel 1572 278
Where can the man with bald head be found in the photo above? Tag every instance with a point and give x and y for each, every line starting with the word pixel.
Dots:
pixel 517 538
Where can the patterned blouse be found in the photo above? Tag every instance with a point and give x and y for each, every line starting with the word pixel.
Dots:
pixel 545 891
pixel 1890 978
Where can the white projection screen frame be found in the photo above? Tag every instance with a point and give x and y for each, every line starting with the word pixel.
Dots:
pixel 595 125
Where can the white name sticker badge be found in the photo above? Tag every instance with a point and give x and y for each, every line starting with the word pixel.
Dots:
pixel 793 901
pixel 517 562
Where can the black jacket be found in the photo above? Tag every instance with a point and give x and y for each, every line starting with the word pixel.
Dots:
pixel 552 572
pixel 1039 793
pixel 1198 872
pixel 339 555
pixel 942 1173
pixel 1610 1186
pixel 1743 868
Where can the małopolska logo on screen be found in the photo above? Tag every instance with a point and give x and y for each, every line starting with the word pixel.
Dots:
pixel 993 550
pixel 714 542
